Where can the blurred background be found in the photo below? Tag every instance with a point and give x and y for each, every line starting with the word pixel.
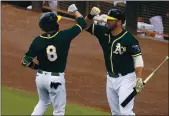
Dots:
pixel 142 17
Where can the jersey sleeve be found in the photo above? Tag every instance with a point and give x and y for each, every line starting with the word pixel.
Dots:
pixel 32 50
pixel 29 55
pixel 134 48
pixel 95 29
pixel 76 29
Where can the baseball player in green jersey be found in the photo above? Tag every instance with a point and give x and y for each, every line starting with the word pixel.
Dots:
pixel 123 59
pixel 51 49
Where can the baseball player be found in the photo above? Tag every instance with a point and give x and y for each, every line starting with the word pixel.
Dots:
pixel 123 59
pixel 51 49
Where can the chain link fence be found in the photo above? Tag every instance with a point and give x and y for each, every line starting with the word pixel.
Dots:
pixel 146 9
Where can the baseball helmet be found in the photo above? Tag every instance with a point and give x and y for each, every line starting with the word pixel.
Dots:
pixel 49 22
pixel 116 14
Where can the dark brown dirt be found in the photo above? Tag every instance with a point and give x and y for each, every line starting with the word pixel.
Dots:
pixel 85 73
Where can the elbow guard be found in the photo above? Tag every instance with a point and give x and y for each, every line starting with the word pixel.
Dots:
pixel 81 22
pixel 138 61
pixel 26 61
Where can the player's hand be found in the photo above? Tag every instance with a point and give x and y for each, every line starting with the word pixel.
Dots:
pixel 72 8
pixel 95 11
pixel 139 85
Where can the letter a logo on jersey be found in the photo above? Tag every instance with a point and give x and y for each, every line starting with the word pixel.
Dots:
pixel 119 49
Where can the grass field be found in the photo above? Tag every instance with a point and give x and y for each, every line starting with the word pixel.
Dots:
pixel 15 102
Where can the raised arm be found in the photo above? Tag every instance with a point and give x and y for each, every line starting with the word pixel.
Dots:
pixel 73 9
pixel 94 28
pixel 72 32
pixel 79 18
pixel 94 12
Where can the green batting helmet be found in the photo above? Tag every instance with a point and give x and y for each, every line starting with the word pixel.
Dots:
pixel 49 22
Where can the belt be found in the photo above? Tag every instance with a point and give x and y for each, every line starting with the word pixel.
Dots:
pixel 52 73
pixel 116 75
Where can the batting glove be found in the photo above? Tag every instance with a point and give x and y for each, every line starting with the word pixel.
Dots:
pixel 95 11
pixel 139 85
pixel 72 8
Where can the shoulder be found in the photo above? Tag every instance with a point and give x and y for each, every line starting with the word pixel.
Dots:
pixel 63 32
pixel 131 38
pixel 99 29
pixel 37 40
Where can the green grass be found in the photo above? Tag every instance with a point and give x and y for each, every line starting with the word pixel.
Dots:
pixel 21 103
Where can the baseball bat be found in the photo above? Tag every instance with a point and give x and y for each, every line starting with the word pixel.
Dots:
pixel 65 12
pixel 134 93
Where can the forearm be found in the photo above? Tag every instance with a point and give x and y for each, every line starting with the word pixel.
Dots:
pixel 33 66
pixel 77 14
pixel 88 21
pixel 138 64
pixel 27 61
pixel 81 23
pixel 89 18
pixel 138 71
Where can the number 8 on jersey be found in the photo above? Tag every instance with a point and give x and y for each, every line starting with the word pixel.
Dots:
pixel 51 53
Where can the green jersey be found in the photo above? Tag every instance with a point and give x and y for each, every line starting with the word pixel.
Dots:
pixel 118 50
pixel 51 49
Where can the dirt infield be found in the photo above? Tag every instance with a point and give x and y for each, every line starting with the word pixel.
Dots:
pixel 85 73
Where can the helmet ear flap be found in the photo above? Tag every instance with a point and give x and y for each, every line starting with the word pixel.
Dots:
pixel 41 26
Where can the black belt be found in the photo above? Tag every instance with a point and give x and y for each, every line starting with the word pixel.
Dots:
pixel 116 75
pixel 52 73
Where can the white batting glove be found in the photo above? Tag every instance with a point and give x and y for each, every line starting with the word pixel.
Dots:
pixel 95 11
pixel 72 8
pixel 139 85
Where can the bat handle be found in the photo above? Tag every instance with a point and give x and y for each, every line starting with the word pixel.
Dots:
pixel 129 98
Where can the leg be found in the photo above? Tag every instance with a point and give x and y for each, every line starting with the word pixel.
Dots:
pixel 40 108
pixel 58 99
pixel 125 89
pixel 112 97
pixel 42 105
